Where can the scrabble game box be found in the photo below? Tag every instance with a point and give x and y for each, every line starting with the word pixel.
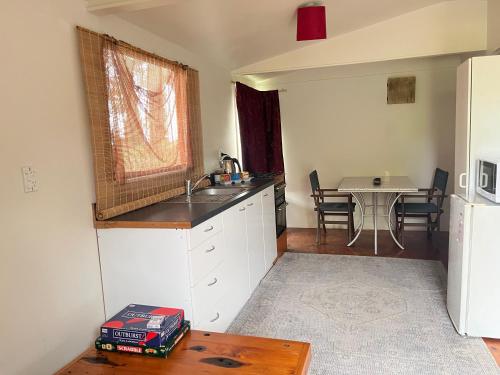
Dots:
pixel 161 351
pixel 143 325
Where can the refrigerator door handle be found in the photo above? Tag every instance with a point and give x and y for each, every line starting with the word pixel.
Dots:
pixel 461 182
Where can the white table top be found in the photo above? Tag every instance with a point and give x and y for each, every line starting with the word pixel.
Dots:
pixel 391 184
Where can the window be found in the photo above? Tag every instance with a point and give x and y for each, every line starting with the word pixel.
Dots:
pixel 147 117
pixel 145 122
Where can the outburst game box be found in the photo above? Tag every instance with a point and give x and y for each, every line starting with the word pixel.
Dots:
pixel 160 351
pixel 143 325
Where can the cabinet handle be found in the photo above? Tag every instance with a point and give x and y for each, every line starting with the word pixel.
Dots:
pixel 213 282
pixel 266 195
pixel 242 209
pixel 209 229
pixel 250 204
pixel 216 318
pixel 210 250
pixel 461 182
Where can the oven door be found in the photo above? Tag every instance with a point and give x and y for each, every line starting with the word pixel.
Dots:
pixel 281 218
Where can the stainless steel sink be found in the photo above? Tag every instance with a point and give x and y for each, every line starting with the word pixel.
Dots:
pixel 210 195
pixel 219 191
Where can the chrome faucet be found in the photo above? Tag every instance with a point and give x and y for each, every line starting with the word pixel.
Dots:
pixel 190 187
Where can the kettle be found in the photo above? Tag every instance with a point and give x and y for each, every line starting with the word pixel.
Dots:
pixel 229 164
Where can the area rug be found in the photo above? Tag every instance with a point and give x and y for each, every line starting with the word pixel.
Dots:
pixel 363 315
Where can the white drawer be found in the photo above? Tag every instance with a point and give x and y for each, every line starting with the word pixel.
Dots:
pixel 209 289
pixel 253 200
pixel 220 316
pixel 206 257
pixel 205 230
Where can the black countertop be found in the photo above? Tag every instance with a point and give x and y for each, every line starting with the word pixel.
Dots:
pixel 178 214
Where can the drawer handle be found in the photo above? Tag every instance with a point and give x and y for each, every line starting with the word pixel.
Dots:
pixel 209 229
pixel 242 209
pixel 216 318
pixel 210 250
pixel 266 195
pixel 250 204
pixel 213 282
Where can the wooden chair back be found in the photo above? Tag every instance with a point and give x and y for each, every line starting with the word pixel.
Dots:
pixel 439 186
pixel 315 188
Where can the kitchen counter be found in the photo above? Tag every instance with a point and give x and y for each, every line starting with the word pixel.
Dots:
pixel 177 214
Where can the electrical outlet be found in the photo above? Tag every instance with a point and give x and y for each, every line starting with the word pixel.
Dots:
pixel 30 180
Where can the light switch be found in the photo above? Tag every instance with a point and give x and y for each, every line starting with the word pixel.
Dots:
pixel 30 180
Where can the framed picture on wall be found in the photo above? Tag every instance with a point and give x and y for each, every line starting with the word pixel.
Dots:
pixel 401 90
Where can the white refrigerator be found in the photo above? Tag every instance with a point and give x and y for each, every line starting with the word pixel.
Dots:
pixel 473 298
pixel 477 121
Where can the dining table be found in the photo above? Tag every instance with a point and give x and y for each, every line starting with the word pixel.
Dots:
pixel 360 187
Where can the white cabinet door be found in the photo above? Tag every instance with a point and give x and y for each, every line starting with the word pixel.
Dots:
pixel 255 240
pixel 484 294
pixel 144 266
pixel 269 222
pixel 235 239
pixel 458 261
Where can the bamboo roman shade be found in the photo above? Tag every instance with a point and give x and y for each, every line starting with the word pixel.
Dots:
pixel 145 122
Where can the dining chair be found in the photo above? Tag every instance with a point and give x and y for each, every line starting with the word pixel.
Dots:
pixel 336 208
pixel 430 210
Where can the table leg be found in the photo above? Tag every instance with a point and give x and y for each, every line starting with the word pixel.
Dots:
pixel 361 204
pixel 391 207
pixel 375 209
pixel 390 197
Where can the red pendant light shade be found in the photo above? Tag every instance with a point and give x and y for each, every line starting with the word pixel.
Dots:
pixel 311 23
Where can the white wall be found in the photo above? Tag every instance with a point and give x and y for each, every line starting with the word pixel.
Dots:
pixel 336 120
pixel 50 291
pixel 493 25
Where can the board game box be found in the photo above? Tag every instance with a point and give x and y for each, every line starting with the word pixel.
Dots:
pixel 143 325
pixel 161 351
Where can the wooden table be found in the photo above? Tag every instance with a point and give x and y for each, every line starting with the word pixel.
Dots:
pixel 394 185
pixel 203 353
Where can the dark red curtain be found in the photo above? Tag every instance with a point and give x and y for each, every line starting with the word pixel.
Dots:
pixel 260 129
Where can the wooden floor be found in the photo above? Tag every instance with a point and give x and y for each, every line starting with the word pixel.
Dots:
pixel 494 346
pixel 417 246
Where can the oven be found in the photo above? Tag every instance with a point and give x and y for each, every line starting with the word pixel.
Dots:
pixel 280 206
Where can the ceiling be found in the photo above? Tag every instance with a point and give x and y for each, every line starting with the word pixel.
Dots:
pixel 235 33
